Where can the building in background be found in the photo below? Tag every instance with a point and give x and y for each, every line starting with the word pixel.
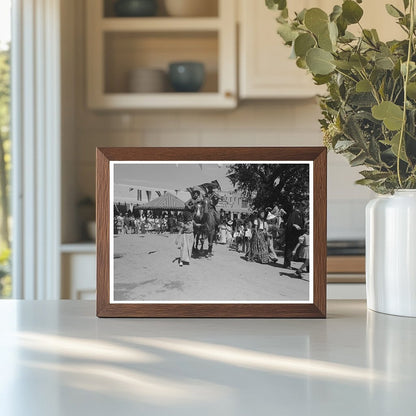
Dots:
pixel 131 196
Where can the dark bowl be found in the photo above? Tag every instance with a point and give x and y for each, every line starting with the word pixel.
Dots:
pixel 186 76
pixel 135 8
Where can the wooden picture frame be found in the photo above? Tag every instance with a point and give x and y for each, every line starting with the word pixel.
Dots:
pixel 316 157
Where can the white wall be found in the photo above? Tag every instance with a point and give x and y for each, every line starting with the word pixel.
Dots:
pixel 255 123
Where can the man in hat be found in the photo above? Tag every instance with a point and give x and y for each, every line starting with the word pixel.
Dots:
pixel 195 199
pixel 294 226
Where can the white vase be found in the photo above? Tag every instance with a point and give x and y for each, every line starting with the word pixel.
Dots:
pixel 391 253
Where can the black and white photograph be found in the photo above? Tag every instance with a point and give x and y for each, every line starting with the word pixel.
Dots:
pixel 211 232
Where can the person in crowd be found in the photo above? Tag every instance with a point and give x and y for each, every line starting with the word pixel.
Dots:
pixel 119 223
pixel 222 231
pixel 279 213
pixel 136 225
pixel 115 231
pixel 157 225
pixel 185 239
pixel 229 233
pixel 239 236
pixel 247 236
pixel 196 198
pixel 293 230
pixel 126 223
pixel 259 247
pixel 271 235
pixel 143 225
pixel 302 249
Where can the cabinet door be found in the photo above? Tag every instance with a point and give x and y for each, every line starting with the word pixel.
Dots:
pixel 265 68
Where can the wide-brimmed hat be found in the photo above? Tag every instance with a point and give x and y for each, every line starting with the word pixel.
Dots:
pixel 193 189
pixel 270 216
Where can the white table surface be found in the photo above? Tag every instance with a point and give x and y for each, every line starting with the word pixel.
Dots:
pixel 57 358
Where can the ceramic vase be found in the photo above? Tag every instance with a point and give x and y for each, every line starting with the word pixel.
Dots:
pixel 391 253
pixel 135 8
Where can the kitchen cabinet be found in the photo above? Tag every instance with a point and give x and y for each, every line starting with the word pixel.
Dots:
pixel 118 45
pixel 78 280
pixel 265 70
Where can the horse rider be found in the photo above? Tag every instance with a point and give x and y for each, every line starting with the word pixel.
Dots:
pixel 213 199
pixel 195 199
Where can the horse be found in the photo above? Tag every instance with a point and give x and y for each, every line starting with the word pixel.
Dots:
pixel 199 227
pixel 210 220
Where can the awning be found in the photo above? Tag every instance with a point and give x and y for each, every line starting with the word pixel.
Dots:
pixel 167 202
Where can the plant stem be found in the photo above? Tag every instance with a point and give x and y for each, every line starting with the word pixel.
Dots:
pixel 406 80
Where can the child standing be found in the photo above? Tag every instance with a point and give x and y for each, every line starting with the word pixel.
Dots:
pixel 303 253
pixel 247 237
pixel 186 239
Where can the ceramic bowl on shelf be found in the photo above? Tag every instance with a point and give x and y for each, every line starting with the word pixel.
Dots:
pixel 191 8
pixel 135 8
pixel 186 76
pixel 147 81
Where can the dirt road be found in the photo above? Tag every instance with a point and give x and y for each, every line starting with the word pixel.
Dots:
pixel 145 269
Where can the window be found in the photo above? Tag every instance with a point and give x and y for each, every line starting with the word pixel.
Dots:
pixel 5 160
pixel 139 195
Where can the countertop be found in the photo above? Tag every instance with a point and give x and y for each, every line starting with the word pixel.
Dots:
pixel 57 358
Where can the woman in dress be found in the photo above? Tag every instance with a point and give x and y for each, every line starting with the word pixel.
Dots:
pixel 222 232
pixel 259 250
pixel 186 239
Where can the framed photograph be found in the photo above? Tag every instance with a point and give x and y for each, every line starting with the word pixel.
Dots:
pixel 211 232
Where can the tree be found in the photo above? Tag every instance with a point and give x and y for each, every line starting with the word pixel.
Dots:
pixel 267 184
pixel 4 143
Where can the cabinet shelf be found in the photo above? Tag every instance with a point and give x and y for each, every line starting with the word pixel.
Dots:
pixel 160 24
pixel 117 45
pixel 198 100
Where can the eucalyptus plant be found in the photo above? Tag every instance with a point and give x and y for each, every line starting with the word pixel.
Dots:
pixel 369 111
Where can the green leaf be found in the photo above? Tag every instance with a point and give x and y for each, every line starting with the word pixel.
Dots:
pixel 276 4
pixel 411 90
pixel 393 11
pixel 301 63
pixel 342 25
pixel 303 43
pixel 343 145
pixel 406 4
pixel 333 32
pixel 321 79
pixel 319 61
pixel 336 12
pixel 358 160
pixel 363 86
pixel 287 33
pixel 375 35
pixel 345 65
pixel 316 20
pixel 374 175
pixel 301 15
pixel 388 112
pixel 394 144
pixel 384 62
pixel 368 36
pixel 325 42
pixel 358 61
pixel 351 11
